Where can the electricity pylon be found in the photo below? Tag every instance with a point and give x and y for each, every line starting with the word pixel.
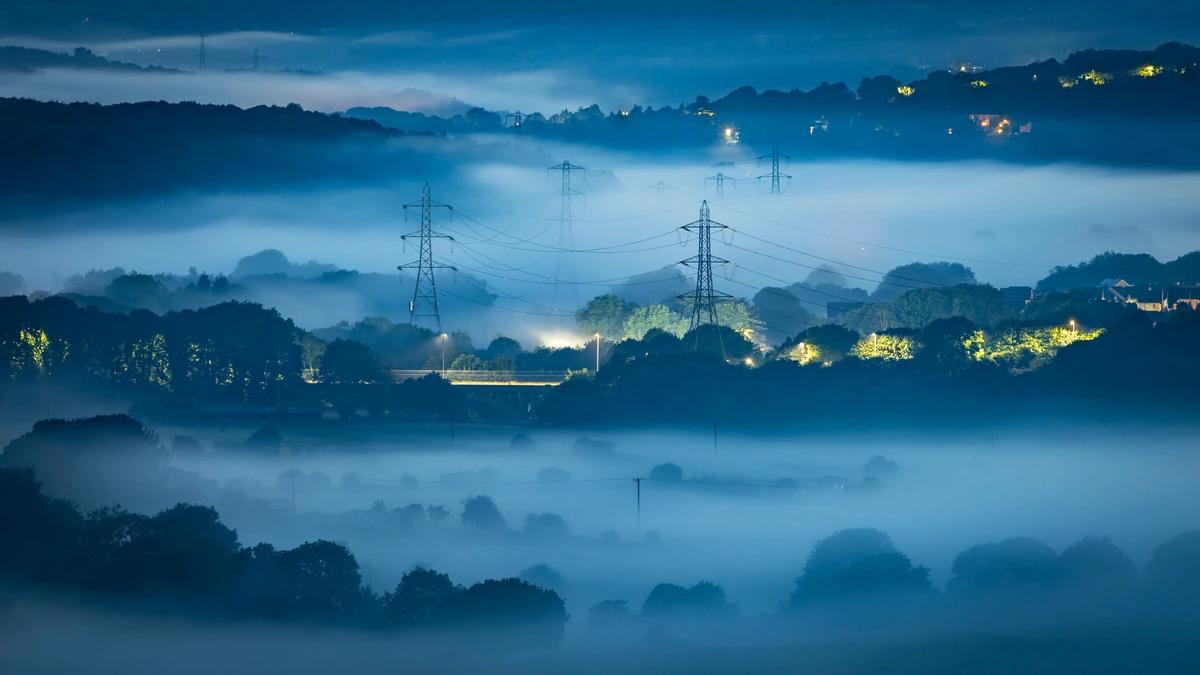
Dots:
pixel 566 191
pixel 424 302
pixel 661 188
pixel 774 175
pixel 517 118
pixel 704 298
pixel 719 181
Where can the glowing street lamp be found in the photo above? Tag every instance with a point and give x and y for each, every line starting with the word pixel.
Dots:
pixel 1072 324
pixel 597 336
pixel 443 337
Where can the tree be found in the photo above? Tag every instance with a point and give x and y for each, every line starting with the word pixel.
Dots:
pixel 642 320
pixel 480 514
pixel 668 472
pixel 604 314
pixel 1171 574
pixel 185 551
pixel 350 362
pixel 90 460
pixel 922 275
pixel 545 527
pixel 502 347
pixel 1002 569
pixel 857 565
pixel 323 580
pixel 721 341
pixel 511 609
pixel 544 576
pixel 701 598
pixel 781 314
pixel 418 598
pixel 823 344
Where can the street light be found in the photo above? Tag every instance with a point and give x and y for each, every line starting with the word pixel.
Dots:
pixel 597 336
pixel 443 337
pixel 1072 323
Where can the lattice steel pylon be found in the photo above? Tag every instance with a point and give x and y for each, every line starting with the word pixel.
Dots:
pixel 704 298
pixel 562 264
pixel 424 303
pixel 774 175
pixel 719 181
pixel 661 188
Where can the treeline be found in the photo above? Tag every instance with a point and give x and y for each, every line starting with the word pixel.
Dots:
pixel 857 581
pixel 1139 269
pixel 1137 102
pixel 63 153
pixel 951 372
pixel 185 560
pixel 235 352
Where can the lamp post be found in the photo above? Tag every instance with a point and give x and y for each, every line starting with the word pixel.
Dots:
pixel 1072 323
pixel 443 337
pixel 597 336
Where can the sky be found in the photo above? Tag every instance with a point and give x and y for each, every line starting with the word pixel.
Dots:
pixel 547 56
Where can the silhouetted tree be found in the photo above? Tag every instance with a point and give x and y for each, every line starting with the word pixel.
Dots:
pixel 480 514
pixel 418 598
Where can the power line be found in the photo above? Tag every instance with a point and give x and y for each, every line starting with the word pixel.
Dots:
pixel 884 247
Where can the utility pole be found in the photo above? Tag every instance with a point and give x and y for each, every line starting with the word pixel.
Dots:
pixel 424 302
pixel 774 175
pixel 202 65
pixel 719 181
pixel 704 298
pixel 661 188
pixel 638 483
pixel 597 353
pixel 565 191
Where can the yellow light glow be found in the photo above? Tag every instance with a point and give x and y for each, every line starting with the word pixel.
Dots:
pixel 1067 82
pixel 559 340
pixel 978 84
pixel 905 90
pixel 1148 70
pixel 1096 78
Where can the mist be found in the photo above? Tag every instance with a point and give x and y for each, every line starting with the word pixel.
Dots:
pixel 1009 223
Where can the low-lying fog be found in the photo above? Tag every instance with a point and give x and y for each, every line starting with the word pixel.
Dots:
pixel 734 518
pixel 1010 223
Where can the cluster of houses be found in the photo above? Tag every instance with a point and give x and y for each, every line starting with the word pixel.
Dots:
pixel 1151 298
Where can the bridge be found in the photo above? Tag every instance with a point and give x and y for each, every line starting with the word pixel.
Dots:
pixel 489 378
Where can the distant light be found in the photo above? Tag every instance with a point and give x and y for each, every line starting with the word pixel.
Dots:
pixel 905 90
pixel 1096 78
pixel 731 135
pixel 560 340
pixel 978 84
pixel 1148 70
pixel 748 361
